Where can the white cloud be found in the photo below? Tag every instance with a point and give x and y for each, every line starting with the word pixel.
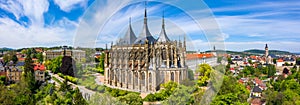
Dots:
pixel 34 9
pixel 68 5
pixel 277 5
pixel 17 36
pixel 12 6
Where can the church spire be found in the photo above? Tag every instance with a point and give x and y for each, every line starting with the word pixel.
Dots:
pixel 129 37
pixel 163 36
pixel 145 14
pixel 145 33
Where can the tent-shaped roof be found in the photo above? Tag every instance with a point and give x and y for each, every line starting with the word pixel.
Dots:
pixel 163 36
pixel 129 37
pixel 145 33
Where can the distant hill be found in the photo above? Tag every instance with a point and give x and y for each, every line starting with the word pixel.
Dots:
pixel 275 52
pixel 6 49
pixel 252 52
pixel 226 51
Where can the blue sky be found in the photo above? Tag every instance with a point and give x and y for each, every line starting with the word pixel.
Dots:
pixel 245 24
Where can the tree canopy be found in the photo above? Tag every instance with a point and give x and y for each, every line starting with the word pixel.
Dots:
pixel 204 71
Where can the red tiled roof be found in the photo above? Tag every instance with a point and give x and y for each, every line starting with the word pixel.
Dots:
pixel 39 67
pixel 279 60
pixel 199 56
pixel 256 101
pixel 248 87
pixel 258 81
pixel 241 81
pixel 21 59
pixel 38 50
pixel 253 57
pixel 3 73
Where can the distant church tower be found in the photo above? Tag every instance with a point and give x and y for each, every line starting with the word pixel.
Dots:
pixel 267 50
pixel 268 57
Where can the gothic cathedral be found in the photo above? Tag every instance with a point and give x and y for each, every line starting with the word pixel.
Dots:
pixel 142 63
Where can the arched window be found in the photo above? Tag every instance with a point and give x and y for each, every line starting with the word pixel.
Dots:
pixel 142 81
pixel 129 77
pixel 180 78
pixel 135 76
pixel 150 78
pixel 172 76
pixel 123 76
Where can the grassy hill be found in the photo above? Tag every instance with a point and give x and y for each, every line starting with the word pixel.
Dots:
pixel 276 52
pixel 253 52
pixel 5 49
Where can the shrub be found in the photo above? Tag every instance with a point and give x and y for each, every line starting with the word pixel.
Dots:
pixel 101 89
pixel 150 98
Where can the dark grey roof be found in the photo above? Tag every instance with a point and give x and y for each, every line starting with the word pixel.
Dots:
pixel 163 36
pixel 288 59
pixel 286 71
pixel 145 33
pixel 256 89
pixel 20 64
pixel 129 37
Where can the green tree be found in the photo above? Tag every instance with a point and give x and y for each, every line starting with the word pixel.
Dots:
pixel 131 99
pixel 150 98
pixel 14 59
pixel 219 59
pixel 40 57
pixel 24 90
pixel 9 57
pixel 2 80
pixel 274 60
pixel 7 95
pixel 77 98
pixel 54 64
pixel 271 70
pixel 101 59
pixel 197 95
pixel 29 78
pixel 65 86
pixel 103 99
pixel 190 74
pixel 168 89
pixel 28 66
pixel 180 96
pixel 298 61
pixel 250 61
pixel 204 74
pixel 231 92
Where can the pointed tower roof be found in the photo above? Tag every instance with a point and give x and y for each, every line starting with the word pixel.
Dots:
pixel 129 37
pixel 145 33
pixel 163 36
pixel 266 46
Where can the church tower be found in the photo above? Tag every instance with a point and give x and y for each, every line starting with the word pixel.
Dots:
pixel 266 50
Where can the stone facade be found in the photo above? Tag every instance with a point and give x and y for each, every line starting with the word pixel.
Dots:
pixel 78 55
pixel 142 63
pixel 14 74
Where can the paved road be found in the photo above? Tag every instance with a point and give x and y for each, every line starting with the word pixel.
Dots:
pixel 86 93
pixel 99 78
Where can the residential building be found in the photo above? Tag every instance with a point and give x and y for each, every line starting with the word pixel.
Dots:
pixel 256 92
pixel 39 72
pixel 78 55
pixel 194 59
pixel 13 73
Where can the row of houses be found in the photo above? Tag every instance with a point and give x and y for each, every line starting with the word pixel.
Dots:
pixel 13 73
